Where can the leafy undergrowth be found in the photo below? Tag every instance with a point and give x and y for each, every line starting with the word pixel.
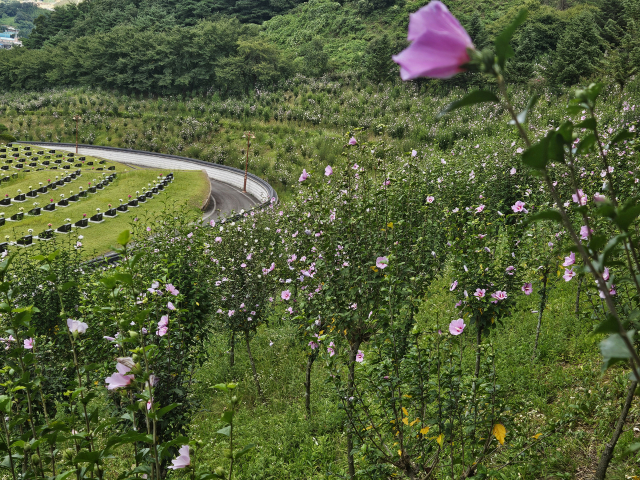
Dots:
pixel 562 407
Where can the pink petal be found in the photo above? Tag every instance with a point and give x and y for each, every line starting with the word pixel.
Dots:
pixel 436 17
pixel 434 54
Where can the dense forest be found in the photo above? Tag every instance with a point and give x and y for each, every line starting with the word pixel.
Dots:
pixel 233 47
pixel 19 15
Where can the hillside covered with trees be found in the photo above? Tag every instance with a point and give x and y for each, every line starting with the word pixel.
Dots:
pixel 234 47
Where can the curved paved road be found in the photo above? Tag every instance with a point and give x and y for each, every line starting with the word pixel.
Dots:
pixel 225 198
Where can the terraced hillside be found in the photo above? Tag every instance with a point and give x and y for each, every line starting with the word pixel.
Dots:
pixel 49 195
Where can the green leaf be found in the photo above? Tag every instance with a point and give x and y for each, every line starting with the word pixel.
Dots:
pixel 125 278
pixel 124 238
pixel 66 286
pixel 5 404
pixel 537 156
pixel 590 123
pixel 128 437
pixel 553 215
pixel 522 116
pixel 109 282
pixel 65 475
pixel 227 416
pixel 478 96
pixel 87 457
pixel 613 349
pixel 502 43
pixel 244 451
pixel 621 136
pixel 625 218
pixel 586 144
pixel 225 431
pixel 608 325
pixel 164 410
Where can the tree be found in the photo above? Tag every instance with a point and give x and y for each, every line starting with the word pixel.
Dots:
pixel 315 59
pixel 377 62
pixel 477 32
pixel 578 53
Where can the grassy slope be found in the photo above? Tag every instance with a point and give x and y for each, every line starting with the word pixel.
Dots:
pixel 345 32
pixel 561 394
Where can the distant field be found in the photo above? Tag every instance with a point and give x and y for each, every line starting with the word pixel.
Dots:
pixel 188 187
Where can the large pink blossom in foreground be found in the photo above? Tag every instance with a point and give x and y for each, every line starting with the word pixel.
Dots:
pixel 183 461
pixel 456 327
pixel 439 44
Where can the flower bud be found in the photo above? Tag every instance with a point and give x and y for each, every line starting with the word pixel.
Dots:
pixel 227 453
pixel 220 472
pixel 27 447
pixel 133 334
pixel 234 400
pixel 35 459
pixel 135 357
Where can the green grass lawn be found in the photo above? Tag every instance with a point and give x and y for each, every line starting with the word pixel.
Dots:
pixel 189 188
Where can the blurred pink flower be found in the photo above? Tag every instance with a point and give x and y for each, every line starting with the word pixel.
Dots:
pixel 170 306
pixel 580 197
pixel 183 461
pixel 519 207
pixel 328 171
pixel 119 379
pixel 605 274
pixel 352 141
pixel 570 260
pixel 28 343
pixel 76 326
pixel 453 286
pixel 382 262
pixel 479 293
pixel 456 327
pixel 285 295
pixel 439 44
pixel 499 295
pixel 585 232
pixel 527 288
pixel 430 199
pixel 303 176
pixel 360 356
pixel 568 274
